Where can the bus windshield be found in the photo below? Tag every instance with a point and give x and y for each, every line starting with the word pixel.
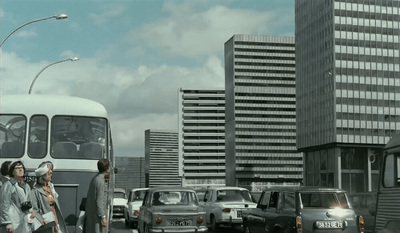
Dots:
pixel 78 137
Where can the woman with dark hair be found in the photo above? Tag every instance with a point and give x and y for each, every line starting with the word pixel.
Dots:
pixel 44 200
pixel 16 204
pixel 5 176
pixel 96 204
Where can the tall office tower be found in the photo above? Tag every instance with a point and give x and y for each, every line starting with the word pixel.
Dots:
pixel 161 158
pixel 130 173
pixel 202 137
pixel 347 88
pixel 261 112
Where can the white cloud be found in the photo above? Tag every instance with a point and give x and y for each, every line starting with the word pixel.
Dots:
pixel 191 33
pixel 108 11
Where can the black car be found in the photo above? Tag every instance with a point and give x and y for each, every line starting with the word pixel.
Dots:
pixel 302 209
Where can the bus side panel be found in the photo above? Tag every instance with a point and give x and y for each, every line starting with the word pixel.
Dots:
pixel 72 187
pixel 388 207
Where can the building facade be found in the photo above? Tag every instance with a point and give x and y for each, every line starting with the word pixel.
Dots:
pixel 201 132
pixel 161 158
pixel 130 173
pixel 261 112
pixel 347 88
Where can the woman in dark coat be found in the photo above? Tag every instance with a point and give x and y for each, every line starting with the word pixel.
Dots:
pixel 45 201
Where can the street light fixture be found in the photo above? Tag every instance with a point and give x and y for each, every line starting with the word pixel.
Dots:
pixel 69 59
pixel 60 16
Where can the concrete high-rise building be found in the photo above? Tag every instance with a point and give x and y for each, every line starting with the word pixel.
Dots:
pixel 201 132
pixel 161 158
pixel 130 173
pixel 347 88
pixel 261 112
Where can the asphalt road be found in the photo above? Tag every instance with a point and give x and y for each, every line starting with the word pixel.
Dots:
pixel 118 226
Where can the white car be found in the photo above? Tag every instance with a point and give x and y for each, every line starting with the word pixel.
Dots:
pixel 135 200
pixel 225 206
pixel 119 202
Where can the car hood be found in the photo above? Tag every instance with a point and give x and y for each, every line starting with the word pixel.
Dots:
pixel 119 201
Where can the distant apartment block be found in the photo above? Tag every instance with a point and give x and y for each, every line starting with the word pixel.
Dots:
pixel 161 158
pixel 348 89
pixel 202 137
pixel 130 173
pixel 261 112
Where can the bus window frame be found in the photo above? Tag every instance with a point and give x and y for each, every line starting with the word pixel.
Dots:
pixel 29 142
pixel 106 139
pixel 395 171
pixel 6 129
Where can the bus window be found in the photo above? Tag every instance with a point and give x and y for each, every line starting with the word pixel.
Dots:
pixel 78 137
pixel 12 135
pixel 391 176
pixel 37 143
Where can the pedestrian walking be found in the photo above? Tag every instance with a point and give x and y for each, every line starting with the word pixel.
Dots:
pixel 44 201
pixel 96 204
pixel 16 203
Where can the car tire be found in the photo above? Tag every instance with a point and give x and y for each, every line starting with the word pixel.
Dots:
pixel 132 225
pixel 214 225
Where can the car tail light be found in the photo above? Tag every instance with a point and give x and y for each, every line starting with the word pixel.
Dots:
pixel 361 222
pixel 158 220
pixel 226 210
pixel 298 224
pixel 136 213
pixel 200 220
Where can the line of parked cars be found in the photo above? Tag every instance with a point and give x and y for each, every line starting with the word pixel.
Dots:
pixel 273 210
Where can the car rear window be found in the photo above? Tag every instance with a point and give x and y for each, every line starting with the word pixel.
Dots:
pixel 233 195
pixel 324 200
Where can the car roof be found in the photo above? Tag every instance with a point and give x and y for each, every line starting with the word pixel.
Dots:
pixel 303 189
pixel 226 188
pixel 170 188
pixel 119 190
pixel 139 189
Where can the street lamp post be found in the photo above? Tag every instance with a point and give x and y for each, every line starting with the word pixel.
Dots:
pixel 69 59
pixel 60 16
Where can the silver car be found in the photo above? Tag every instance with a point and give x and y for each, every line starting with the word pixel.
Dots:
pixel 303 209
pixel 171 209
pixel 224 206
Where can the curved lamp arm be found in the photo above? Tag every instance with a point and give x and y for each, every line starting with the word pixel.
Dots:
pixel 60 16
pixel 69 59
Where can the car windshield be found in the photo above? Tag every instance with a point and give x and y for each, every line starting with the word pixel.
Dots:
pixel 138 195
pixel 233 195
pixel 324 200
pixel 174 198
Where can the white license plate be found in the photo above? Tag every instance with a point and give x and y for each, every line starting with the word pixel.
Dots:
pixel 239 213
pixel 180 222
pixel 329 224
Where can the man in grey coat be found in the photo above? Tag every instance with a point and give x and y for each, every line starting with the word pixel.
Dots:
pixel 96 203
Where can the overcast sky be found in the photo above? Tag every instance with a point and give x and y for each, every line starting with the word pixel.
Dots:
pixel 134 55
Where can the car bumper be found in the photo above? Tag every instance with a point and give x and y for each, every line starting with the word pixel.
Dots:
pixel 180 230
pixel 229 222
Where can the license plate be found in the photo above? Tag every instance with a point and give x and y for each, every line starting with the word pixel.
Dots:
pixel 329 224
pixel 239 213
pixel 179 222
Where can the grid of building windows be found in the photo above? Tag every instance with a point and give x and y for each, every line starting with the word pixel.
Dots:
pixel 161 158
pixel 202 137
pixel 261 112
pixel 348 99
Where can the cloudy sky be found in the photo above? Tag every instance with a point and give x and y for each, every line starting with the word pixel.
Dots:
pixel 134 55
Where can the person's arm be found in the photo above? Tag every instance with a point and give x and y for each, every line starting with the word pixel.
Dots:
pixel 101 200
pixel 5 193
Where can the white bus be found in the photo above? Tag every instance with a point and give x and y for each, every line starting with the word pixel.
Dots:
pixel 73 133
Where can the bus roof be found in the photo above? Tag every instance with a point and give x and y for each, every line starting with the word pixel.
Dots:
pixel 31 104
pixel 393 142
